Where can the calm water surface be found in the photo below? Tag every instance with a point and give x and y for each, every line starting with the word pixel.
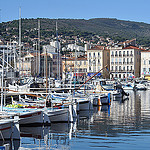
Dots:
pixel 123 125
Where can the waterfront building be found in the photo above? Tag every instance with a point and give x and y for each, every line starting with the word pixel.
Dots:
pixel 74 66
pixel 145 64
pixel 29 65
pixel 98 57
pixel 125 62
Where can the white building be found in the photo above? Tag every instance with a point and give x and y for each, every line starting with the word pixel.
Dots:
pixel 98 57
pixel 145 64
pixel 49 49
pixel 72 47
pixel 55 44
pixel 125 62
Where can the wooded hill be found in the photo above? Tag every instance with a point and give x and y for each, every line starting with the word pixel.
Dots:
pixel 118 30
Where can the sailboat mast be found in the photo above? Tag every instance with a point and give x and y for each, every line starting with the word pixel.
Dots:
pixel 39 45
pixel 19 40
pixel 2 90
pixel 57 52
pixel 14 48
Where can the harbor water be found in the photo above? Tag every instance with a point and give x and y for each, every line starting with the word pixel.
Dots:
pixel 125 124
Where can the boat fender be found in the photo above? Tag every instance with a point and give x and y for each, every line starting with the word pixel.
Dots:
pixel 109 100
pixel 99 103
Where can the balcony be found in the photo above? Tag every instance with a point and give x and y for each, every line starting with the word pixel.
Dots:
pixel 116 62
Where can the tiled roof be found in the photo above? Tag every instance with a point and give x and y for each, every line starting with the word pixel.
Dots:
pixel 133 47
pixel 98 47
pixel 73 58
pixel 146 51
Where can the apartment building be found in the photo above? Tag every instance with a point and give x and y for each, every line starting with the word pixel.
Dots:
pixel 74 66
pixel 145 64
pixel 125 62
pixel 98 57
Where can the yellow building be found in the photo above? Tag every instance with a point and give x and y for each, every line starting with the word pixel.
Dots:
pixel 74 65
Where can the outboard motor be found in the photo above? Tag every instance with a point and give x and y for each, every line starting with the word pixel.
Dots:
pixel 119 88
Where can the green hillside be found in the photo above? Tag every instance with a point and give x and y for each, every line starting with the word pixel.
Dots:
pixel 113 28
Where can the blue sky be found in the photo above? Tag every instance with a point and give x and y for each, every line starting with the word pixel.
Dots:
pixel 133 10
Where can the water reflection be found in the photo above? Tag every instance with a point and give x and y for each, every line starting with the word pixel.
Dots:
pixel 125 124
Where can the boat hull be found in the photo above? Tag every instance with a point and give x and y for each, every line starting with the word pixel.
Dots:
pixel 59 115
pixel 6 130
pixel 35 117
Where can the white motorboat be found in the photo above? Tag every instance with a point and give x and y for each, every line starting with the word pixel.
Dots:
pixel 140 87
pixel 128 86
pixel 19 88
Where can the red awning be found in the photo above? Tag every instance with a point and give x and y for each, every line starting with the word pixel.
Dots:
pixel 79 74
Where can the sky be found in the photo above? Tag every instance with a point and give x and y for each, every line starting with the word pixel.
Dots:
pixel 132 10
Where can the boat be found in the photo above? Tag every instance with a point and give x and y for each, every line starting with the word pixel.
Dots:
pixel 140 87
pixel 28 116
pixel 102 99
pixel 128 86
pixel 60 115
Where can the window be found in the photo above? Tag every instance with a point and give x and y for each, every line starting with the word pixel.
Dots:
pixel 123 53
pixel 98 61
pixel 116 60
pixel 127 53
pixel 94 55
pixel 119 68
pixel 131 68
pixel 80 63
pixel 149 62
pixel 84 62
pixel 89 62
pixel 89 68
pixel 144 62
pixel 127 60
pixel 124 68
pixel 149 69
pixel 127 68
pixel 119 53
pixel 89 55
pixel 98 54
pixel 116 53
pixel 119 60
pixel 131 60
pixel 112 68
pixel 124 60
pixel 131 53
pixel 144 69
pixel 112 53
pixel 116 68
